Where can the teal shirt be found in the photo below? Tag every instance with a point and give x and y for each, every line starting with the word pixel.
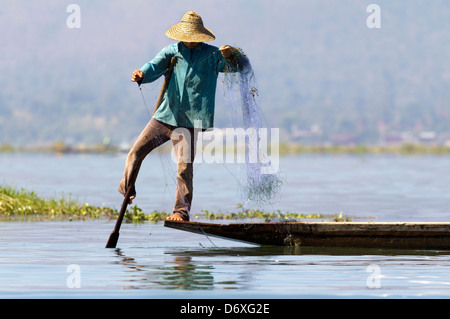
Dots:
pixel 190 97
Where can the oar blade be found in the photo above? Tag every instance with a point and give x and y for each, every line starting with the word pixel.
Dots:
pixel 113 239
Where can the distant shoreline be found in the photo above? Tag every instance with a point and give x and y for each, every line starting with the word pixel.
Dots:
pixel 284 149
pixel 403 149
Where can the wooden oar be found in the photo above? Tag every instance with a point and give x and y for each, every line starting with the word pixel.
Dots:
pixel 114 237
pixel 166 83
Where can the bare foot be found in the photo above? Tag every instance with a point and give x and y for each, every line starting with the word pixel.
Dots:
pixel 176 217
pixel 131 199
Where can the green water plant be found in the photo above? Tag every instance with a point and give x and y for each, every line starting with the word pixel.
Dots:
pixel 20 204
pixel 271 215
pixel 23 204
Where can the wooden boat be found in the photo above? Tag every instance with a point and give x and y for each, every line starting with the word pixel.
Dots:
pixel 407 235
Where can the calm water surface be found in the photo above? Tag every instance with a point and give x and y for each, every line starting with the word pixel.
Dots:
pixel 156 262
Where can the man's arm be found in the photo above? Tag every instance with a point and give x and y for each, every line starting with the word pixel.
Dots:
pixel 152 70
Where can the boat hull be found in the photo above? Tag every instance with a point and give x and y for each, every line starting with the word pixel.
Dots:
pixel 409 235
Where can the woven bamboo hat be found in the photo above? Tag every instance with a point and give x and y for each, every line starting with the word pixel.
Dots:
pixel 190 29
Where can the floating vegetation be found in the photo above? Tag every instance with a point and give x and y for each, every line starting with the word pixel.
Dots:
pixel 23 205
pixel 274 216
pixel 136 215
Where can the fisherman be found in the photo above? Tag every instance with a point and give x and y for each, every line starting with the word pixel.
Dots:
pixel 187 107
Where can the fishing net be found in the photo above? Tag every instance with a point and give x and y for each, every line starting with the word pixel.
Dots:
pixel 259 182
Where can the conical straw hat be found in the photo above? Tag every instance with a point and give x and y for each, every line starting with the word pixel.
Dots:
pixel 190 29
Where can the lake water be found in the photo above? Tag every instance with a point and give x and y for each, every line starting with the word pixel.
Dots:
pixel 68 259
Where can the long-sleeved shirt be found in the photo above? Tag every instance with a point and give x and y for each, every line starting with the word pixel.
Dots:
pixel 189 100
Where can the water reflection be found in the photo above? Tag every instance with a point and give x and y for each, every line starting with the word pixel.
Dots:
pixel 183 274
pixel 243 267
pixel 302 250
pixel 178 273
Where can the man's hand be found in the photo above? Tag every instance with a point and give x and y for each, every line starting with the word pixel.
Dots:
pixel 137 76
pixel 226 51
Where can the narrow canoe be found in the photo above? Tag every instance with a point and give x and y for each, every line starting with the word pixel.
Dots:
pixel 398 235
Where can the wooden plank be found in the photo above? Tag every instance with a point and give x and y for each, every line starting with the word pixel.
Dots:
pixel 408 235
